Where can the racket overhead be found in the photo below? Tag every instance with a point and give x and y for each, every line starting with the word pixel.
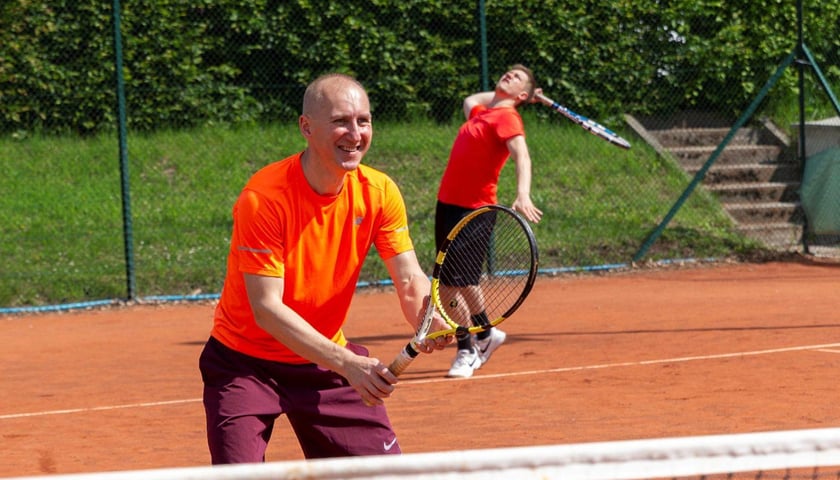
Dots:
pixel 587 124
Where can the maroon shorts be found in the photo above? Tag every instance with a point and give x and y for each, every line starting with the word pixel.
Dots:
pixel 244 395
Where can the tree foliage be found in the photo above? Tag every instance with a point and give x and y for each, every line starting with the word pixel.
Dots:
pixel 206 61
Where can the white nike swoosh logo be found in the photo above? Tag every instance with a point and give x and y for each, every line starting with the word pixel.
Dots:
pixel 390 445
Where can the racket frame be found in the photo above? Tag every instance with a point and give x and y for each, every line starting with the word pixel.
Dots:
pixel 411 350
pixel 587 124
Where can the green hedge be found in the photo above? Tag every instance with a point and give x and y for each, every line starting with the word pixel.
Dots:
pixel 208 61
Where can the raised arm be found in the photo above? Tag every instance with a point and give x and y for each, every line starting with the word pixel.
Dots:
pixel 480 98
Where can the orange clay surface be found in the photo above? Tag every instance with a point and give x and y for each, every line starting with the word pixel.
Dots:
pixel 680 351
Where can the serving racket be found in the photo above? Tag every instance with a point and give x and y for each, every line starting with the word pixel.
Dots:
pixel 587 124
pixel 487 263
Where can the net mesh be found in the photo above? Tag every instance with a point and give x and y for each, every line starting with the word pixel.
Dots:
pixel 783 454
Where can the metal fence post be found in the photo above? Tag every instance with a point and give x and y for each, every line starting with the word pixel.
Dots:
pixel 126 194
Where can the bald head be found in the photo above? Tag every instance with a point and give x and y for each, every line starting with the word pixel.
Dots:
pixel 336 123
pixel 322 87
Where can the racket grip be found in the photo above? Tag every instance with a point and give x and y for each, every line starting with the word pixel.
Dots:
pixel 403 360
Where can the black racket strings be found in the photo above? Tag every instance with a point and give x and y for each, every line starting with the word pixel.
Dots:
pixel 498 249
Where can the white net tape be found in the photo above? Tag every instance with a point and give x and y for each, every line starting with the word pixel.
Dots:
pixel 635 459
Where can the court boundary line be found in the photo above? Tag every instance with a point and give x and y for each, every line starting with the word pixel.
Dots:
pixel 640 363
pixel 821 347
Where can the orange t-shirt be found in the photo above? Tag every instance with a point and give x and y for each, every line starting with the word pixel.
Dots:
pixel 478 154
pixel 283 228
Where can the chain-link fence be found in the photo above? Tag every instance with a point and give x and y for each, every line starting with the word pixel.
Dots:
pixel 711 95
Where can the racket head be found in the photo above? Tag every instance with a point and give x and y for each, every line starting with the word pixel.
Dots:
pixel 488 263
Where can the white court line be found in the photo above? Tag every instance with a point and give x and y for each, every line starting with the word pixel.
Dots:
pixel 822 348
pixel 633 364
pixel 98 409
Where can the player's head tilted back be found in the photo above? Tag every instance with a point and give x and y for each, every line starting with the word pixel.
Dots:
pixel 517 83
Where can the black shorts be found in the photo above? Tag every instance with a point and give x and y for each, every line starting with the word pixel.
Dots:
pixel 468 258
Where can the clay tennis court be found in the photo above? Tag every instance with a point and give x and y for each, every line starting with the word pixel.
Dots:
pixel 722 348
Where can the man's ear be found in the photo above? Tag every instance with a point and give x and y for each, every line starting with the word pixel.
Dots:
pixel 305 126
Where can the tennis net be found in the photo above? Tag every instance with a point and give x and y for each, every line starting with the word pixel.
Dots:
pixel 789 454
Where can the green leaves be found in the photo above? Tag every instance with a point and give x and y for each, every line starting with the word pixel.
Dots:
pixel 245 61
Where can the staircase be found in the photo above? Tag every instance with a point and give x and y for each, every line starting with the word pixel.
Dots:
pixel 756 177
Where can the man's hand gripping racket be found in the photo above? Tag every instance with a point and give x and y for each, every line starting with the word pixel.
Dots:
pixel 485 268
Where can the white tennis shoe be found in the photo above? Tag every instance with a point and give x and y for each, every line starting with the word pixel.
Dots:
pixel 489 345
pixel 465 363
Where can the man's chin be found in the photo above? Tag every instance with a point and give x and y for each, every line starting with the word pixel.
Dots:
pixel 350 165
pixel 351 162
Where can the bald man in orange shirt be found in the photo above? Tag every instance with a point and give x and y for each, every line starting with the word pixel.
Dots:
pixel 302 228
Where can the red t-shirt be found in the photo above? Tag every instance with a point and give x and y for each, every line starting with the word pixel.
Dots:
pixel 283 228
pixel 478 155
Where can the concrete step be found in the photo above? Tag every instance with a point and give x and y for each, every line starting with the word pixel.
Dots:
pixel 782 236
pixel 765 213
pixel 755 192
pixel 685 137
pixel 756 176
pixel 740 174
pixel 824 245
pixel 696 156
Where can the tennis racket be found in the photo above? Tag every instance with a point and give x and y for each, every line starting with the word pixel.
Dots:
pixel 587 124
pixel 485 268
